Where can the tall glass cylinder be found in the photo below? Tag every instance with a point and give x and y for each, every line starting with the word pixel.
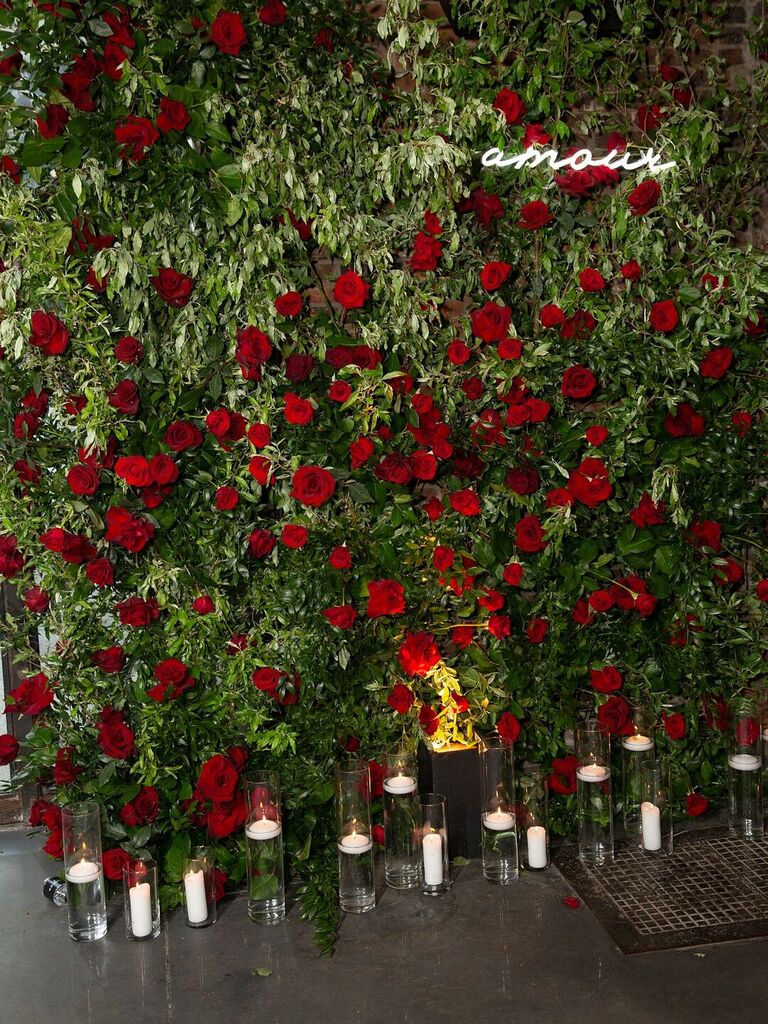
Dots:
pixel 745 774
pixel 635 750
pixel 402 821
pixel 264 848
pixel 534 826
pixel 656 808
pixel 436 876
pixel 142 900
pixel 200 887
pixel 357 893
pixel 593 794
pixel 83 870
pixel 497 818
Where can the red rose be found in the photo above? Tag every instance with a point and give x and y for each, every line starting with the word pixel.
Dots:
pixel 674 725
pixel 135 135
pixel 685 422
pixel 134 469
pixel 716 362
pixel 534 215
pixel 529 534
pixel 589 483
pixel 606 680
pixel 136 612
pixel 173 116
pixel 203 605
pixel 128 350
pixel 53 122
pixel 442 558
pixel 11 559
pixel 253 350
pixel 536 630
pixel 418 654
pixel 466 503
pixel 664 316
pixel 741 423
pixel 508 727
pixel 493 275
pixel 351 291
pixel 114 861
pixel 288 304
pixel 591 280
pixel 173 679
pixel 217 780
pixel 125 397
pixel 225 818
pixel 299 366
pixel 48 333
pixel 491 322
pixel 228 33
pixel 428 720
pixel 297 410
pixel 312 486
pixel 426 253
pixel 615 717
pixel 143 809
pixel 511 105
pixel 110 660
pixel 761 590
pixel 100 572
pixel 339 391
pixel 400 699
pixel 266 679
pixel 226 426
pixel 562 779
pixel 260 543
pixel 37 600
pixel 272 13
pixel 259 435
pixel 696 804
pixel 341 616
pixel 385 597
pixel 578 382
pixel 294 536
pixel 9 748
pixel 129 531
pixel 500 626
pixel 463 636
pixel 551 315
pixel 115 738
pixel 644 197
pixel 31 697
pixel 522 480
pixel 180 436
pixel 513 574
pixel 340 558
pixel 173 287
pixel 631 271
pixel 706 533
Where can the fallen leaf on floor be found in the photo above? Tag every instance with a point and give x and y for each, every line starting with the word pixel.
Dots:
pixel 700 955
pixel 572 901
pixel 262 972
pixel 460 862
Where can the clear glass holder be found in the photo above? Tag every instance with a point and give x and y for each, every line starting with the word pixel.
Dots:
pixel 142 901
pixel 357 891
pixel 264 849
pixel 635 751
pixel 656 809
pixel 83 871
pixel 534 802
pixel 594 798
pixel 436 874
pixel 200 887
pixel 498 818
pixel 402 822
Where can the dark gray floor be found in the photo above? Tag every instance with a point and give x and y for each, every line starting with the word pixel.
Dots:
pixel 481 954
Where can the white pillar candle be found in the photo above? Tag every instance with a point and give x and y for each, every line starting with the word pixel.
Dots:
pixel 197 901
pixel 83 871
pixel 400 784
pixel 141 909
pixel 765 735
pixel 745 762
pixel 499 821
pixel 432 850
pixel 263 828
pixel 536 838
pixel 355 843
pixel 637 742
pixel 592 773
pixel 650 819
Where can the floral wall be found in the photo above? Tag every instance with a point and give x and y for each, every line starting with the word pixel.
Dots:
pixel 315 432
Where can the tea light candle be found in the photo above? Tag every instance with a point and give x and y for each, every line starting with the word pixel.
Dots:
pixel 400 784
pixel 637 742
pixel 355 843
pixel 592 773
pixel 745 762
pixel 650 819
pixel 141 909
pixel 499 821
pixel 432 852
pixel 536 838
pixel 197 902
pixel 83 871
pixel 263 828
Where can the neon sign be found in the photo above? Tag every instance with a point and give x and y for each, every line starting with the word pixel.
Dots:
pixel 578 161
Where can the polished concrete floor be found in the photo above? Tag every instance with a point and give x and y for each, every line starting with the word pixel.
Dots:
pixel 481 954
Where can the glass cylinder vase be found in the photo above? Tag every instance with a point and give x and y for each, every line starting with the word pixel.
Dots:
pixel 497 819
pixel 83 870
pixel 534 828
pixel 200 887
pixel 745 774
pixel 594 802
pixel 635 751
pixel 142 900
pixel 357 893
pixel 656 808
pixel 436 876
pixel 402 821
pixel 264 848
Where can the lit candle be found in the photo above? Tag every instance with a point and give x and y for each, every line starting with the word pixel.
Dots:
pixel 637 742
pixel 263 828
pixel 745 762
pixel 499 821
pixel 432 851
pixel 83 871
pixel 355 843
pixel 141 909
pixel 536 837
pixel 592 773
pixel 650 818
pixel 400 784
pixel 197 902
pixel 765 735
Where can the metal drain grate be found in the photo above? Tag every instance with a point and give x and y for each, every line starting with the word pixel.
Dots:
pixel 713 888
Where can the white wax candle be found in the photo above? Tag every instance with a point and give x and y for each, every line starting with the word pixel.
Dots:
pixel 745 762
pixel 83 871
pixel 197 901
pixel 355 843
pixel 400 784
pixel 141 909
pixel 637 742
pixel 536 837
pixel 592 773
pixel 263 828
pixel 765 735
pixel 499 821
pixel 650 820
pixel 432 851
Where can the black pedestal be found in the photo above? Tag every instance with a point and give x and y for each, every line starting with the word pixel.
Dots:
pixel 456 775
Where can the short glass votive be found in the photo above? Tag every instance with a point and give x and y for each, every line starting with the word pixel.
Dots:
pixel 402 821
pixel 594 801
pixel 534 828
pixel 497 819
pixel 83 871
pixel 745 774
pixel 436 875
pixel 656 808
pixel 142 900
pixel 264 848
pixel 200 887
pixel 635 750
pixel 357 892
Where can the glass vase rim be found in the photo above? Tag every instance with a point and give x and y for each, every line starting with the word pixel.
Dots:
pixel 432 799
pixel 81 808
pixel 352 765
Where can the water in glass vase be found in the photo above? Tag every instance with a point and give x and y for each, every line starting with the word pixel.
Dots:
pixel 500 847
pixel 85 901
pixel 264 857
